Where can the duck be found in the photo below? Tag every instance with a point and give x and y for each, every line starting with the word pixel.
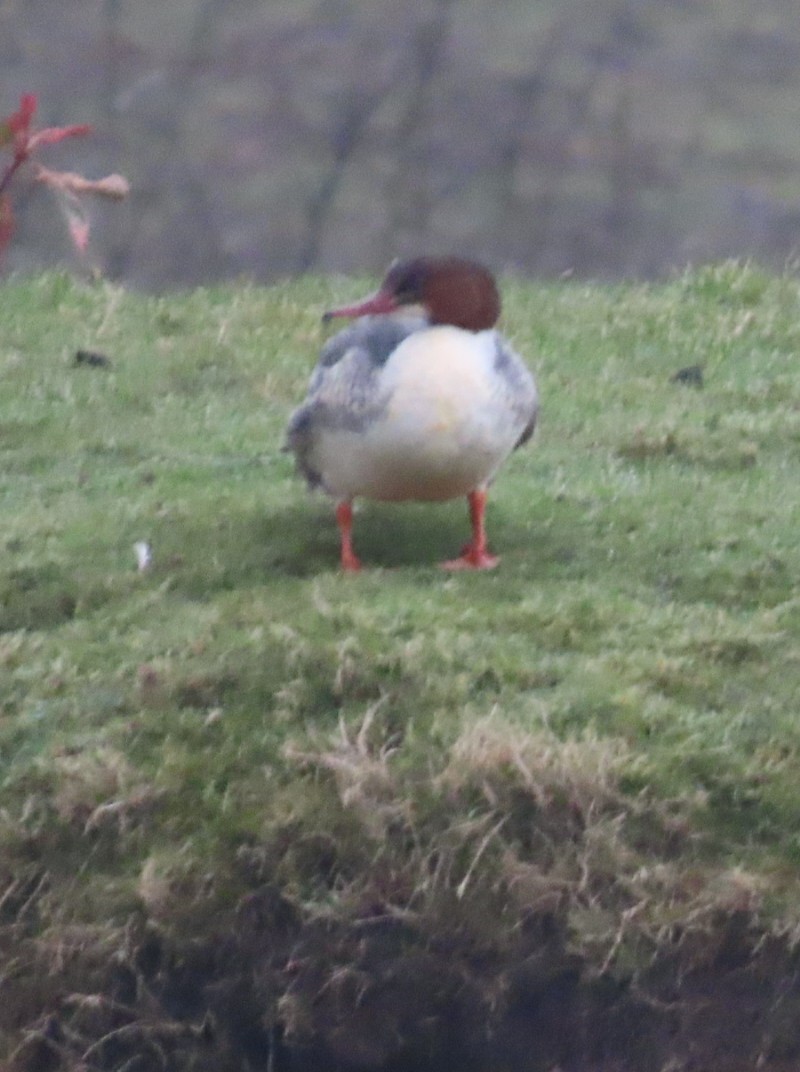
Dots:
pixel 420 399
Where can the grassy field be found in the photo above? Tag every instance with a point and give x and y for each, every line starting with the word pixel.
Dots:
pixel 602 732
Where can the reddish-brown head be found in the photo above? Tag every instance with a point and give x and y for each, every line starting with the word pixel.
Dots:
pixel 452 290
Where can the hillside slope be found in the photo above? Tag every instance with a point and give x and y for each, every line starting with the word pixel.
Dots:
pixel 257 814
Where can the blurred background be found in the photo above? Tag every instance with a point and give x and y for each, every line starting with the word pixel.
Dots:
pixel 265 138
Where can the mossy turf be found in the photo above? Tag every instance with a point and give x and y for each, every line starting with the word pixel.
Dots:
pixel 605 729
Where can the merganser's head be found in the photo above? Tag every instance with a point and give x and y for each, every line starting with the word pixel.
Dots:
pixel 450 290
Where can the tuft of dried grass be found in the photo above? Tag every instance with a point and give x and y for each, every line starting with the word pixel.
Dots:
pixel 519 823
pixel 98 789
pixel 493 752
pixel 361 769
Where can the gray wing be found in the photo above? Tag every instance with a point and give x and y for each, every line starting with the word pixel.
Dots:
pixel 342 391
pixel 378 336
pixel 523 397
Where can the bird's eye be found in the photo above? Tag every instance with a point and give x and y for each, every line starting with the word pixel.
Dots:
pixel 407 283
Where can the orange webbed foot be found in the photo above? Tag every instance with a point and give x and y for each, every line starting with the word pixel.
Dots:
pixel 349 563
pixel 472 558
pixel 475 555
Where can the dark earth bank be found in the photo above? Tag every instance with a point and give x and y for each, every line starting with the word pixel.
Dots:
pixel 267 990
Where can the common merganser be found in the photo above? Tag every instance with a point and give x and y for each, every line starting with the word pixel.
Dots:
pixel 420 400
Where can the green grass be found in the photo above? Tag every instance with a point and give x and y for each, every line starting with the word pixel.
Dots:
pixel 605 728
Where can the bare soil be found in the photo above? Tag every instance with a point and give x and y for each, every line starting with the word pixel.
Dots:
pixel 267 990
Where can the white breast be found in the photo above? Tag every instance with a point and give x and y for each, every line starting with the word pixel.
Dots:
pixel 447 425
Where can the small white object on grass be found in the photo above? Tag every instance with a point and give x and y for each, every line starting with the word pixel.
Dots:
pixel 144 555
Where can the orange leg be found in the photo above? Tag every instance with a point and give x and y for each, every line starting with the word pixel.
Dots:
pixel 476 554
pixel 344 519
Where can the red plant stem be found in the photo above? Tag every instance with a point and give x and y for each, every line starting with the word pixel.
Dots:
pixel 9 172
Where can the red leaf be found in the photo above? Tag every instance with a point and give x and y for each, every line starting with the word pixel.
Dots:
pixel 17 127
pixel 76 218
pixel 115 187
pixel 20 121
pixel 79 232
pixel 51 135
